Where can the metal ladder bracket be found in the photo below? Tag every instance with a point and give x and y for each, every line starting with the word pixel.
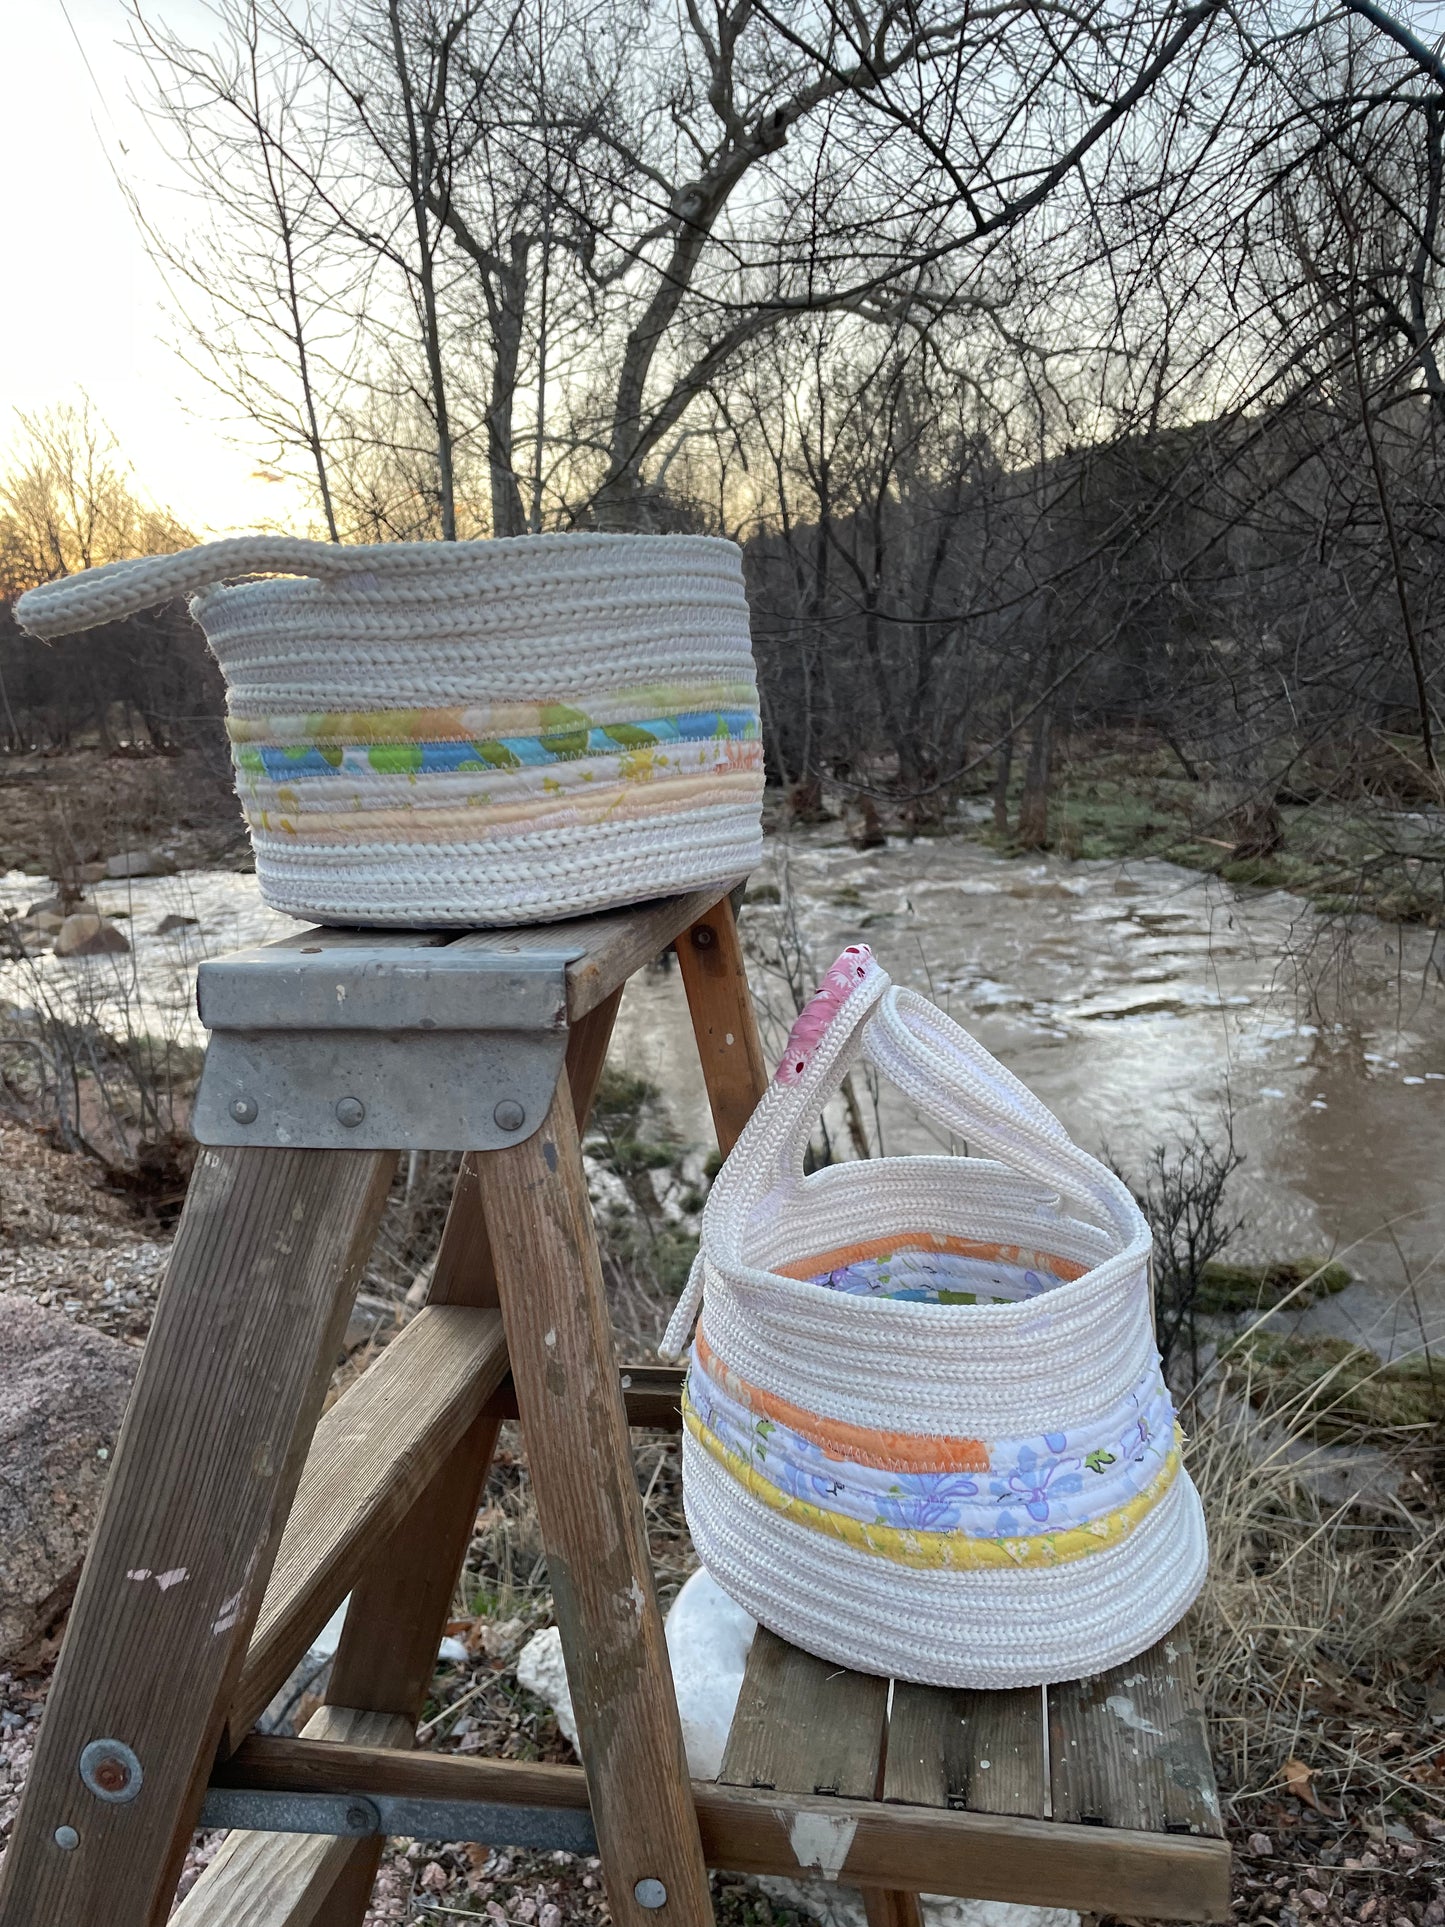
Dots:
pixel 397 1043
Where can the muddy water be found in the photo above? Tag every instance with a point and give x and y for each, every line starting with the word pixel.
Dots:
pixel 1134 997
pixel 1130 997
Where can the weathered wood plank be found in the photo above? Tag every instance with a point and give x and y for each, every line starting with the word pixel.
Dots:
pixel 1128 1748
pixel 891 1907
pixel 865 1843
pixel 575 1428
pixel 710 958
pixel 614 943
pixel 387 1654
pixel 256 1297
pixel 266 1879
pixel 463 1273
pixel 804 1725
pixel 372 1458
pixel 652 1395
pixel 983 1751
pixel 986 1856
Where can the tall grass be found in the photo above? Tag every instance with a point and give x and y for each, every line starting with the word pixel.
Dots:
pixel 1323 1612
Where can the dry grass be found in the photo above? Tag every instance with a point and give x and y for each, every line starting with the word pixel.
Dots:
pixel 1320 1630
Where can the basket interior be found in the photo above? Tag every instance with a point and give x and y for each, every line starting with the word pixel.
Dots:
pixel 928 1268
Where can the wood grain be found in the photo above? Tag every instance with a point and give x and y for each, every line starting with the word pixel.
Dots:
pixel 1157 1876
pixel 1043 1863
pixel 372 1457
pixel 398 1612
pixel 984 1751
pixel 1128 1748
pixel 463 1272
pixel 651 1394
pixel 804 1725
pixel 575 1428
pixel 256 1297
pixel 891 1907
pixel 710 958
pixel 614 943
pixel 267 1879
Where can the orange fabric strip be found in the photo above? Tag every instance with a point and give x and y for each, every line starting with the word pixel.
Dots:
pixel 886 1451
pixel 928 1241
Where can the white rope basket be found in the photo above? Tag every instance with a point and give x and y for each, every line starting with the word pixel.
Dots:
pixel 927 1432
pixel 471 733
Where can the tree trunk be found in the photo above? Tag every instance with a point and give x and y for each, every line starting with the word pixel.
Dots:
pixel 508 515
pixel 1033 832
pixel 1003 771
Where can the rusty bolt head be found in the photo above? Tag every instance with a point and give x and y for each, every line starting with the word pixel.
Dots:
pixel 703 936
pixel 110 1770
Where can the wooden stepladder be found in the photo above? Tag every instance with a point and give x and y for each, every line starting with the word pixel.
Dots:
pixel 237 1518
pixel 234 1524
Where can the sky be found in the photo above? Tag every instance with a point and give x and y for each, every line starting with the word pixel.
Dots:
pixel 84 308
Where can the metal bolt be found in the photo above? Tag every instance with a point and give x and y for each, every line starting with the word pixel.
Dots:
pixel 650 1893
pixel 110 1770
pixel 350 1111
pixel 67 1838
pixel 703 938
pixel 243 1109
pixel 509 1115
pixel 361 1819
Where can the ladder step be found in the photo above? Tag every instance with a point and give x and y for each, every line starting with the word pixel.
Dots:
pixel 805 1725
pixel 866 1843
pixel 371 1458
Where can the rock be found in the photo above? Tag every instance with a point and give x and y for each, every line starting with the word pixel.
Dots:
pixel 708 1637
pixel 540 1668
pixel 85 934
pixel 63 1390
pixel 170 923
pixel 836 1906
pixel 47 906
pixel 46 922
pixel 140 863
pixel 92 873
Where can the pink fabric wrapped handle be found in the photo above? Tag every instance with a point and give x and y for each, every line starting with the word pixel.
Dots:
pixel 813 1022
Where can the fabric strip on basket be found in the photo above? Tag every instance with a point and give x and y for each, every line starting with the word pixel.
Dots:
pixel 934 1266
pixel 1002 1489
pixel 927 1549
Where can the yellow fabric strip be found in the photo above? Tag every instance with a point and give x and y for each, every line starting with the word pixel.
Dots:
pixel 946 1551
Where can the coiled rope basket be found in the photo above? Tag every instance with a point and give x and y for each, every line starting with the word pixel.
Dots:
pixel 927 1432
pixel 471 733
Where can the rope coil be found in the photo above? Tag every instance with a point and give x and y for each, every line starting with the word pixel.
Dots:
pixel 987 1315
pixel 470 733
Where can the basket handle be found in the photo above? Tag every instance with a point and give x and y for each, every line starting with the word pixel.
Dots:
pixel 948 1074
pixel 118 589
pixel 768 1158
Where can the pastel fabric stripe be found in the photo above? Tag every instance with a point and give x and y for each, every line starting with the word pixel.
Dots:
pixel 403 755
pixel 464 722
pixel 946 1551
pixel 474 818
pixel 1051 1269
pixel 1023 1486
pixel 890 1451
